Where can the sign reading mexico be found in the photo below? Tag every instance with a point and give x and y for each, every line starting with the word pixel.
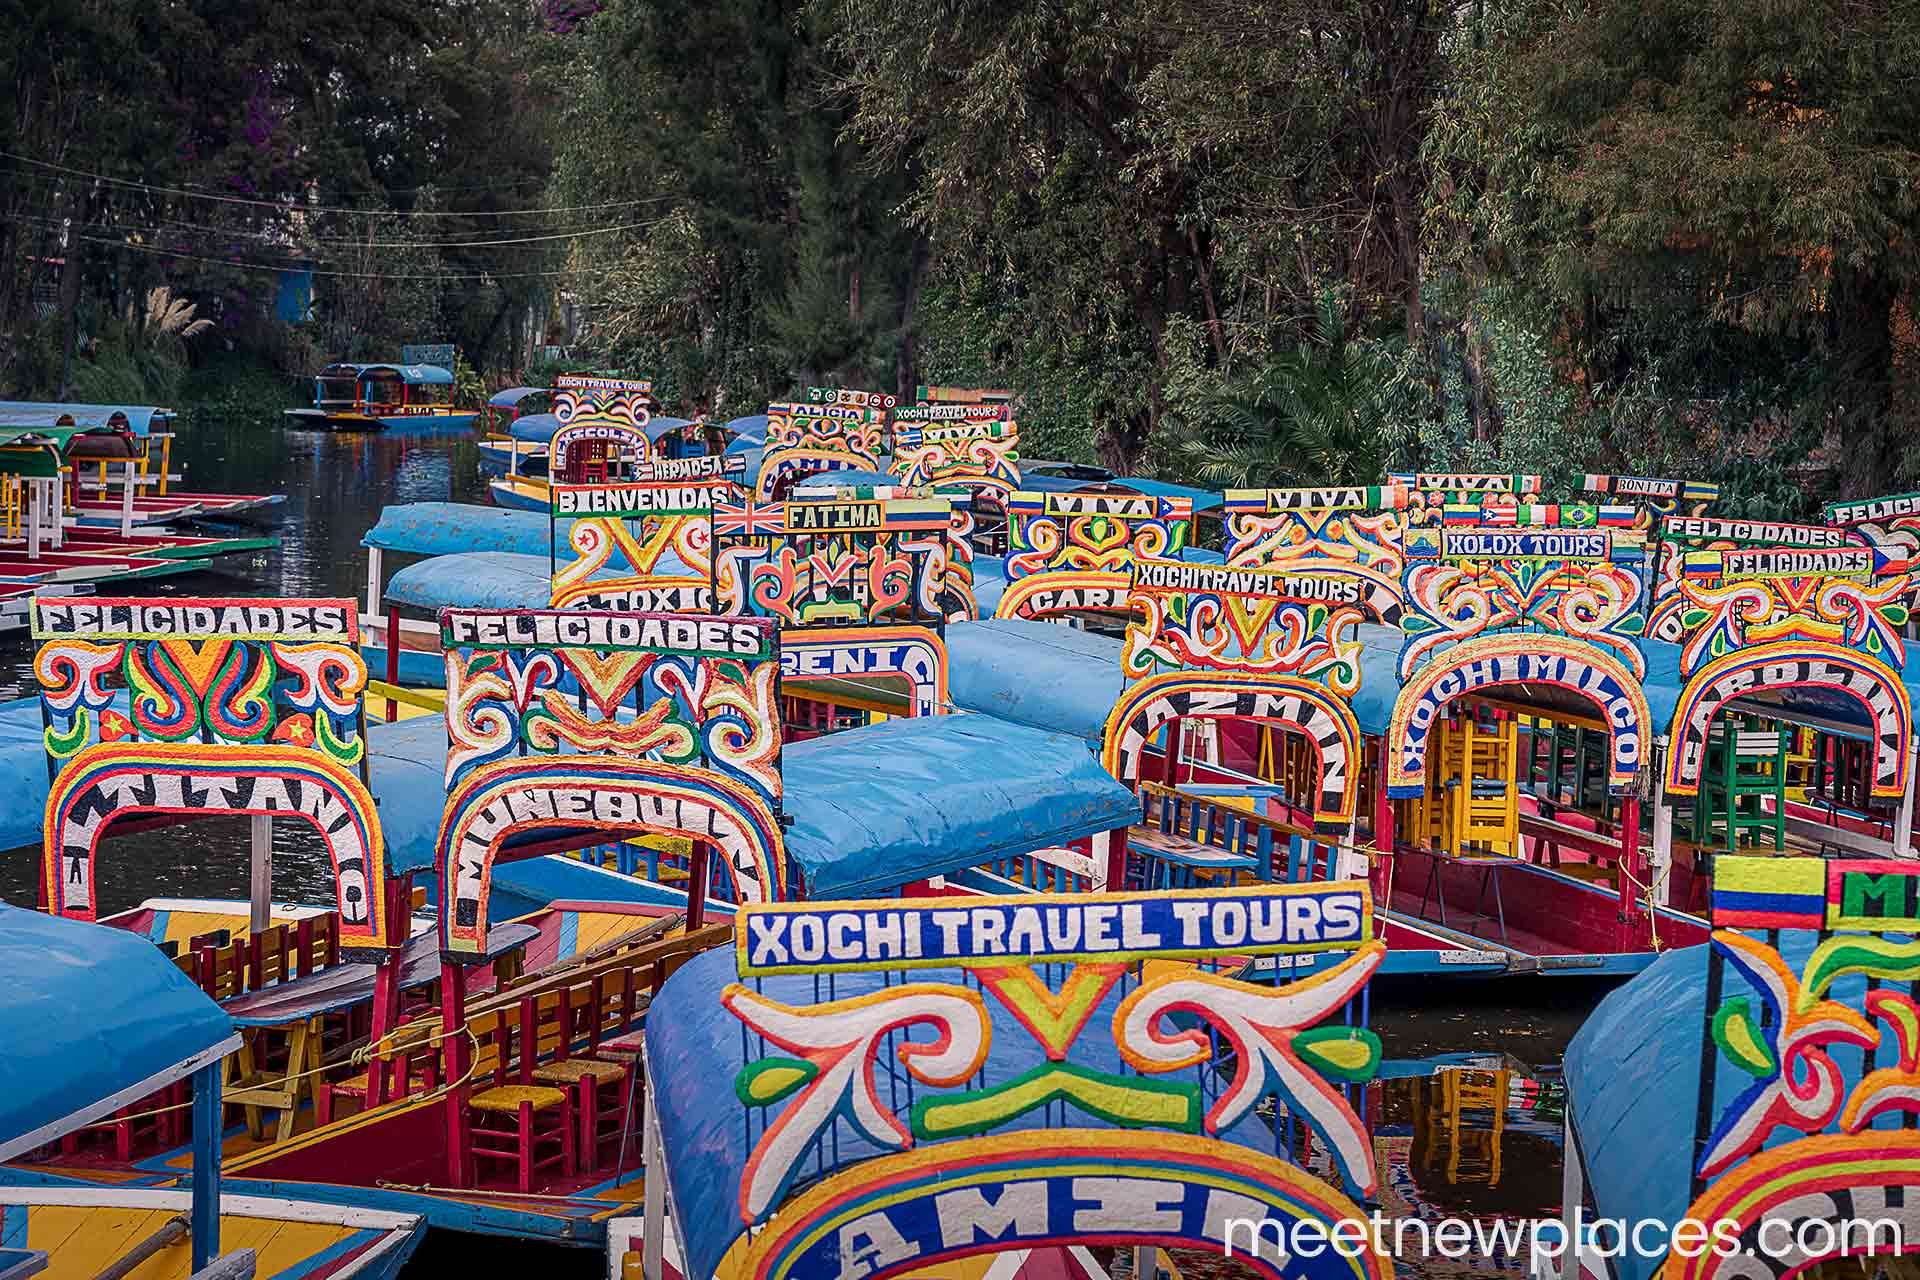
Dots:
pixel 805 937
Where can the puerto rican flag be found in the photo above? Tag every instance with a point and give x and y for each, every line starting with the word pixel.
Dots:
pixel 749 520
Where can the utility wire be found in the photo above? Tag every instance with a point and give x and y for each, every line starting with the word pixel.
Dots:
pixel 349 241
pixel 294 207
pixel 298 266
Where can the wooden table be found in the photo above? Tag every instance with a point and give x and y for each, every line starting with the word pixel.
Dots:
pixel 295 1009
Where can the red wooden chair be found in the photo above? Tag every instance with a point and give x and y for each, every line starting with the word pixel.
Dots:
pixel 513 1122
pixel 412 1061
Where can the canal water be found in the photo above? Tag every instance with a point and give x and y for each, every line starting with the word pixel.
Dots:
pixel 1472 1130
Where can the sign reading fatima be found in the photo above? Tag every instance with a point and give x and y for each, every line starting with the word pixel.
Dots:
pixel 891 933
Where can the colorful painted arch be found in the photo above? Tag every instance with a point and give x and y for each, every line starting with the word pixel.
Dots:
pixel 1049 1187
pixel 112 780
pixel 594 793
pixel 1512 658
pixel 1328 721
pixel 1867 680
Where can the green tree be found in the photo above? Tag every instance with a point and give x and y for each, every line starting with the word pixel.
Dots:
pixel 1716 195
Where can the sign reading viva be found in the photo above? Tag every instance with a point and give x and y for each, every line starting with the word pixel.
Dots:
pixel 889 933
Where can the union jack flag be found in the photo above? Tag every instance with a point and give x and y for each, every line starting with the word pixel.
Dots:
pixel 748 520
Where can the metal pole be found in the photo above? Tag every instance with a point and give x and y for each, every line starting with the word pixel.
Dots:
pixel 206 1165
pixel 1662 831
pixel 260 835
pixel 653 1161
pixel 1903 821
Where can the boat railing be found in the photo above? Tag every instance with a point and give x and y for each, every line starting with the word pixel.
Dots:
pixel 225 966
pixel 582 1005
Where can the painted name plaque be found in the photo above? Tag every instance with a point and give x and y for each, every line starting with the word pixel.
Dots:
pixel 332 621
pixel 1530 544
pixel 897 933
pixel 1873 895
pixel 568 629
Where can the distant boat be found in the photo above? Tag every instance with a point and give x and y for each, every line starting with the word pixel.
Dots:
pixel 376 397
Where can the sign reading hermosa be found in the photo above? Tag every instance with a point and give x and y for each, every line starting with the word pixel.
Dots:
pixel 891 933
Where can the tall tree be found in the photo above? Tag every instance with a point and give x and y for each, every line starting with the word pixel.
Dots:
pixel 1721 193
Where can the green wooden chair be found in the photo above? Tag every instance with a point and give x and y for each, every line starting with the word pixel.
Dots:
pixel 1745 765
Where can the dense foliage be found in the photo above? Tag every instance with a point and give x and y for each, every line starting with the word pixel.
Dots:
pixel 1216 240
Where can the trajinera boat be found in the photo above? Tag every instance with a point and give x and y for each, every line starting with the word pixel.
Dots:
pixel 374 397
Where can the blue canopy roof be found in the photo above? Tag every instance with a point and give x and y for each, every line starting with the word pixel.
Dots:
pixel 657 427
pixel 535 428
pixel 872 808
pixel 493 580
pixel 474 580
pixel 1203 499
pixel 696 1050
pixel 441 528
pixel 93 1019
pixel 512 396
pixel 1035 673
pixel 855 476
pixel 751 429
pixel 875 808
pixel 411 374
pixel 41 413
pixel 1633 1084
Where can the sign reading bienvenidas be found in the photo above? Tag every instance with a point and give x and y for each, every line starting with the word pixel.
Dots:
pixel 104 618
pixel 568 629
pixel 634 500
pixel 897 933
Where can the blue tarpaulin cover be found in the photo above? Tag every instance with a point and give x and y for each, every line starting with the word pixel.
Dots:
pixel 88 1014
pixel 696 1050
pixel 1035 673
pixel 878 807
pixel 513 396
pixel 44 413
pixel 1633 1084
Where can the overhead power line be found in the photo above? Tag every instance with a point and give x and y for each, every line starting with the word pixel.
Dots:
pixel 296 207
pixel 299 266
pixel 45 219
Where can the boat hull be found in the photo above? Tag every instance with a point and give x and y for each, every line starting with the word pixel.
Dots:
pixel 346 420
pixel 84 1229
